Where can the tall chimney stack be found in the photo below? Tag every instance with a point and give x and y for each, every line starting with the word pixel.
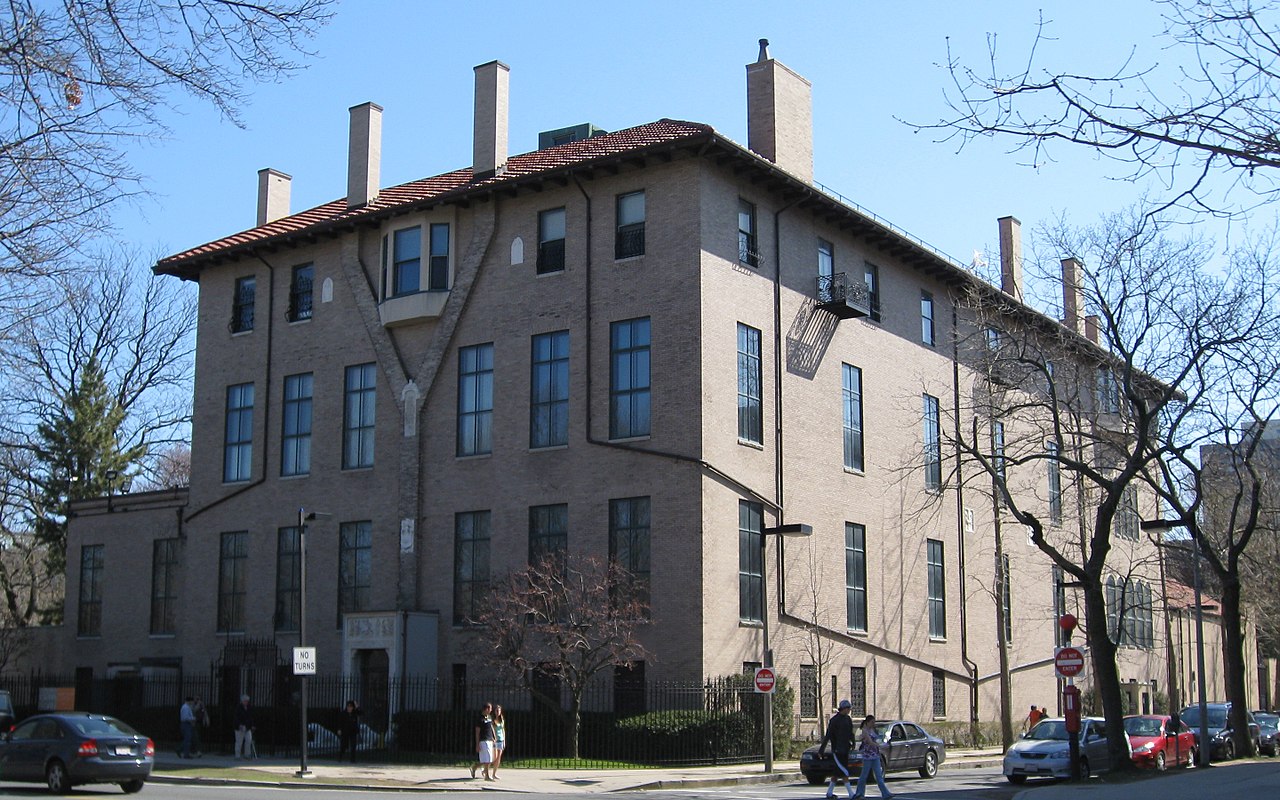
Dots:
pixel 1072 295
pixel 1011 257
pixel 489 134
pixel 780 115
pixel 273 195
pixel 364 154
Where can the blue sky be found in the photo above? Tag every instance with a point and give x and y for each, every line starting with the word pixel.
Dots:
pixel 617 65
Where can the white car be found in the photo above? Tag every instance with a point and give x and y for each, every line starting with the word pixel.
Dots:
pixel 1044 751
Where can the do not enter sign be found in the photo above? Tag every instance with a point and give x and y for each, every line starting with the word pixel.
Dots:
pixel 765 679
pixel 1068 661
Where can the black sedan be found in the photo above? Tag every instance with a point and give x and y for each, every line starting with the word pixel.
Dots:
pixel 1269 737
pixel 903 746
pixel 73 748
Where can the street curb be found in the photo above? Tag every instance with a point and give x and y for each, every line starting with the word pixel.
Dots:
pixel 691 783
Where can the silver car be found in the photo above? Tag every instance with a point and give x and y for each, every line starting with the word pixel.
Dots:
pixel 1044 751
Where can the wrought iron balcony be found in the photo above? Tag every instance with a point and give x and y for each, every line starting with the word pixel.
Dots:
pixel 550 256
pixel 843 297
pixel 629 241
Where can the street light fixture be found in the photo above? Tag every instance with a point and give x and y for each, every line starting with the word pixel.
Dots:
pixel 304 516
pixel 788 529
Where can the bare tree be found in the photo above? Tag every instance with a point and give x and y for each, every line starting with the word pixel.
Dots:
pixel 567 619
pixel 1202 107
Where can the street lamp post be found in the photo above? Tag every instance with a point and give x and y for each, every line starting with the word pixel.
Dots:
pixel 790 529
pixel 303 517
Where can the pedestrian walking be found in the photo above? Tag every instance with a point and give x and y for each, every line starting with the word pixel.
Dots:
pixel 187 723
pixel 1033 716
pixel 349 730
pixel 242 720
pixel 485 737
pixel 840 735
pixel 499 739
pixel 871 761
pixel 201 715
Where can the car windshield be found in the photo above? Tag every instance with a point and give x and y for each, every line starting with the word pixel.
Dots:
pixel 1217 717
pixel 1142 726
pixel 1268 721
pixel 1050 729
pixel 101 726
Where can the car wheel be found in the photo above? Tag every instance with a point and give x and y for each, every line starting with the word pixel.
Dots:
pixel 930 767
pixel 814 780
pixel 1160 765
pixel 1084 768
pixel 1229 751
pixel 132 787
pixel 1017 780
pixel 1195 757
pixel 56 776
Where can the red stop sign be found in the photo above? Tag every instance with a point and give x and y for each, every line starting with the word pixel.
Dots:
pixel 1068 661
pixel 765 679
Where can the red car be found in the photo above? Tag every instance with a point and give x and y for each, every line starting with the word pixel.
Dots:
pixel 1154 744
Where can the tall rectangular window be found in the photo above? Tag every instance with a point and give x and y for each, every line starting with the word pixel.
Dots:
pixel 629 542
pixel 851 396
pixel 288 579
pixel 937 591
pixel 358 415
pixel 1055 482
pixel 1126 519
pixel 300 284
pixel 629 342
pixel 551 228
pixel 808 691
pixel 939 694
pixel 233 562
pixel 855 576
pixel 932 443
pixel 164 586
pixel 89 616
pixel 237 452
pixel 1005 588
pixel 750 561
pixel 549 534
pixel 858 691
pixel 927 334
pixel 1059 605
pixel 997 452
pixel 438 267
pixel 747 252
pixel 470 565
pixel 406 261
pixel 750 411
pixel 295 440
pixel 242 304
pixel 355 566
pixel 475 400
pixel 1108 399
pixel 826 262
pixel 871 275
pixel 629 240
pixel 549 390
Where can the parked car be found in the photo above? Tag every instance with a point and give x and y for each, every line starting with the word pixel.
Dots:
pixel 1269 732
pixel 73 748
pixel 7 716
pixel 1156 742
pixel 1221 744
pixel 904 746
pixel 1045 750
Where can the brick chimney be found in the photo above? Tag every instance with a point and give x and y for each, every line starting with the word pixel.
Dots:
pixel 273 195
pixel 1011 257
pixel 489 134
pixel 1072 295
pixel 364 154
pixel 780 115
pixel 1092 324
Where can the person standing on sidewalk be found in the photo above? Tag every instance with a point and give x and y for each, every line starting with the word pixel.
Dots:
pixel 187 722
pixel 499 739
pixel 349 730
pixel 871 762
pixel 199 727
pixel 485 737
pixel 243 722
pixel 840 735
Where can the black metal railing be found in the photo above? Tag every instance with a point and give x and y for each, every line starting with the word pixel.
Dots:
pixel 551 256
pixel 747 252
pixel 844 297
pixel 242 311
pixel 300 300
pixel 630 241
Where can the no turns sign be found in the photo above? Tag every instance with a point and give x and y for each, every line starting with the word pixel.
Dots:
pixel 765 679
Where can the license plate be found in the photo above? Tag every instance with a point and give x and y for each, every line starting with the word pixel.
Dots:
pixel 124 750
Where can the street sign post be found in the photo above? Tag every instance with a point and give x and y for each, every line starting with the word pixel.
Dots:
pixel 1068 661
pixel 765 680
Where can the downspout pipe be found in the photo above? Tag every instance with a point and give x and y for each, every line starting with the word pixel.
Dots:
pixel 970 665
pixel 779 477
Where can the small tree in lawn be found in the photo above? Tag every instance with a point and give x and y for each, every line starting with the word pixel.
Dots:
pixel 568 619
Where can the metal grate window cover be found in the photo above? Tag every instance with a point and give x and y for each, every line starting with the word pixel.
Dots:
pixel 939 695
pixel 808 691
pixel 858 690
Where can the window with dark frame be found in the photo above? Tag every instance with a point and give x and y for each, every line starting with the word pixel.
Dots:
pixel 359 413
pixel 438 264
pixel 233 561
pixel 300 292
pixel 355 567
pixel 629 409
pixel 549 534
pixel 288 579
pixel 937 590
pixel 855 577
pixel 89 611
pixel 551 235
pixel 549 390
pixel 629 240
pixel 470 565
pixel 237 453
pixel 629 544
pixel 750 561
pixel 1055 482
pixel 997 453
pixel 927 333
pixel 747 249
pixel 475 400
pixel 826 264
pixel 406 261
pixel 1006 588
pixel 242 304
pixel 750 404
pixel 295 438
pixel 851 397
pixel 1059 605
pixel 629 688
pixel 164 586
pixel 872 278
pixel 932 443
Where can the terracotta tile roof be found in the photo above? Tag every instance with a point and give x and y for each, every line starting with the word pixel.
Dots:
pixel 442 187
pixel 1182 596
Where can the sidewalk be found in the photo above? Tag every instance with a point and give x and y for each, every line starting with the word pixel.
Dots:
pixel 224 770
